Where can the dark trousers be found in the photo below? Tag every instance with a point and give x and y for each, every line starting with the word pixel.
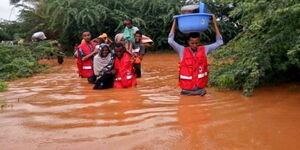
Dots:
pixel 195 91
pixel 137 68
pixel 105 82
pixel 91 79
pixel 60 59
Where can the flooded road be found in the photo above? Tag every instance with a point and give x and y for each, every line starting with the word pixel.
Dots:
pixel 58 110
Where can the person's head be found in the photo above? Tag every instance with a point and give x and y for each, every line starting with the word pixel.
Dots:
pixel 104 36
pixel 104 50
pixel 86 36
pixel 194 40
pixel 58 45
pixel 99 40
pixel 119 50
pixel 138 36
pixel 128 23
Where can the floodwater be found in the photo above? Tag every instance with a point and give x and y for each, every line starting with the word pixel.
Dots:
pixel 58 110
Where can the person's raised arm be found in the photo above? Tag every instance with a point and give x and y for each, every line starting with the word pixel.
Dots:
pixel 214 22
pixel 219 39
pixel 172 31
pixel 177 47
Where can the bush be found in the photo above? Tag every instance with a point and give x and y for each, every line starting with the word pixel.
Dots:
pixel 3 86
pixel 21 61
pixel 266 51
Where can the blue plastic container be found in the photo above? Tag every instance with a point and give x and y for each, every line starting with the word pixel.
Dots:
pixel 202 8
pixel 194 22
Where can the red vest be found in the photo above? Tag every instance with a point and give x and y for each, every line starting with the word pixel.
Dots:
pixel 125 76
pixel 193 69
pixel 85 68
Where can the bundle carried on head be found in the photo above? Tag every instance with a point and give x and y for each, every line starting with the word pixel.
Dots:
pixel 193 19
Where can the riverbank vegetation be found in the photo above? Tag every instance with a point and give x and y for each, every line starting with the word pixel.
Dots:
pixel 266 51
pixel 18 61
pixel 3 86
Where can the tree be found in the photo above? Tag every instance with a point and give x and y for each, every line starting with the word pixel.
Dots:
pixel 65 20
pixel 266 51
pixel 9 30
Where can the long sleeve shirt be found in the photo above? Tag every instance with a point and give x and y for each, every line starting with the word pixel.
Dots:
pixel 208 48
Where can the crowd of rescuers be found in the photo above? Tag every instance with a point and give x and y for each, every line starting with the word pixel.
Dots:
pixel 119 67
pixel 107 67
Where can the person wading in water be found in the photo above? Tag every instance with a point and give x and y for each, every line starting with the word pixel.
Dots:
pixel 85 57
pixel 103 68
pixel 193 74
pixel 125 75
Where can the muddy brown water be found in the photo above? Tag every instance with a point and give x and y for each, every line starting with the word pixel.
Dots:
pixel 58 110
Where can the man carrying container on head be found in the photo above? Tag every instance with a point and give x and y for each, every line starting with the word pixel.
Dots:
pixel 193 74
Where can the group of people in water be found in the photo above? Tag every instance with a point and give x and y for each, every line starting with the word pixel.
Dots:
pixel 111 68
pixel 120 66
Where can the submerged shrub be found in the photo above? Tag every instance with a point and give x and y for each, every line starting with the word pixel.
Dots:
pixel 21 61
pixel 266 51
pixel 3 86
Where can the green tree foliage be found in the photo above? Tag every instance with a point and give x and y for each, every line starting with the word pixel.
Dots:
pixel 9 30
pixel 267 50
pixel 70 18
pixel 66 20
pixel 34 18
